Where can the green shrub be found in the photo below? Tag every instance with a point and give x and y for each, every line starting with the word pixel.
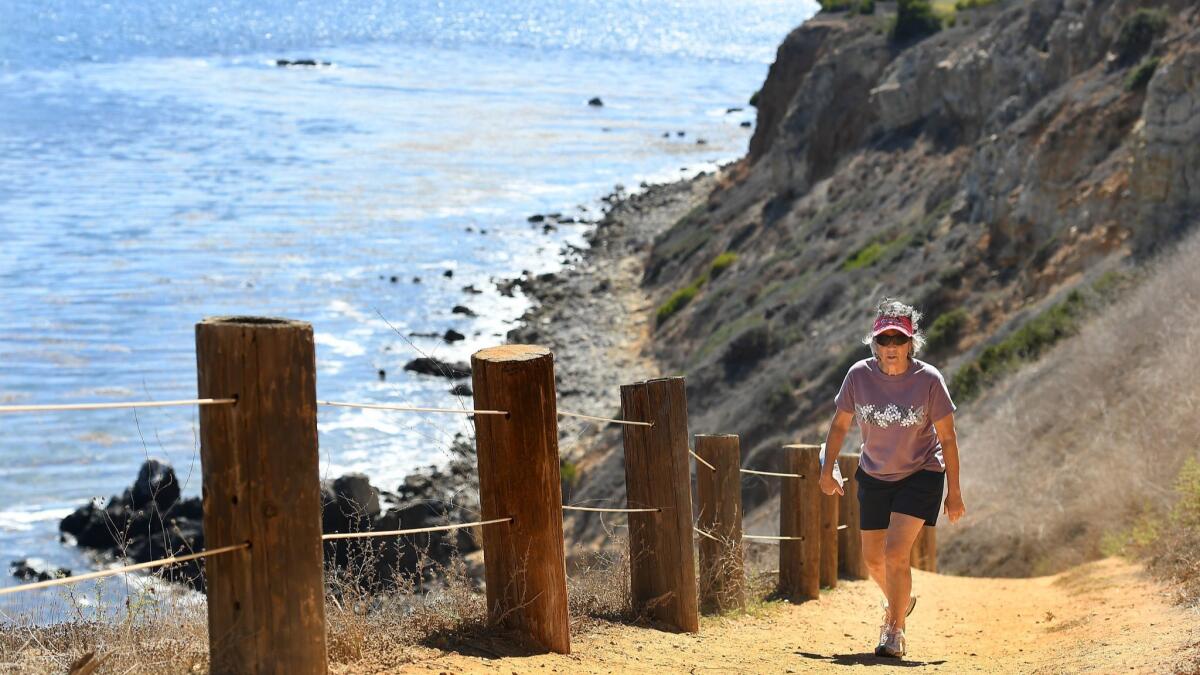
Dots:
pixel 679 299
pixel 835 5
pixel 866 7
pixel 1138 34
pixel 915 19
pixel 946 330
pixel 960 5
pixel 1025 344
pixel 1140 77
pixel 722 263
pixel 874 251
pixel 754 98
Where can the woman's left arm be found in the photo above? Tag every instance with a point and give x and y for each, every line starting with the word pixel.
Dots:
pixel 946 436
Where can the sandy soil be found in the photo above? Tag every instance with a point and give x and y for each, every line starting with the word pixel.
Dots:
pixel 1105 617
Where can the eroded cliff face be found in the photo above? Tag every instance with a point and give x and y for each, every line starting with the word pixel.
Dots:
pixel 991 167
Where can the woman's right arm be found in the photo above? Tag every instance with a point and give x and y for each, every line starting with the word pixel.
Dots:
pixel 833 445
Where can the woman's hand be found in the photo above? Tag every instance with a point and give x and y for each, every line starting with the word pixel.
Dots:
pixel 829 485
pixel 954 507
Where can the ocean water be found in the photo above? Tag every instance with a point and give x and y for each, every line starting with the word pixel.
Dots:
pixel 157 167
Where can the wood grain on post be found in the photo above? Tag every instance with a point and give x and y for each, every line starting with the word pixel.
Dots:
pixel 850 556
pixel 924 551
pixel 662 565
pixel 719 494
pixel 261 484
pixel 800 516
pixel 519 478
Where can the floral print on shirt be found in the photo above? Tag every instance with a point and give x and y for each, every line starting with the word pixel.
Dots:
pixel 886 416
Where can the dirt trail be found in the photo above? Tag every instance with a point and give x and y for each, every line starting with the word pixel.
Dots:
pixel 1107 616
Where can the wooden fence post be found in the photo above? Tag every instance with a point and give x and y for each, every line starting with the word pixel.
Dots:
pixel 719 493
pixel 799 516
pixel 261 484
pixel 850 557
pixel 662 565
pixel 924 551
pixel 830 508
pixel 524 564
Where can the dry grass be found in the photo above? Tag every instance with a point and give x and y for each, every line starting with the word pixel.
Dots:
pixel 1086 442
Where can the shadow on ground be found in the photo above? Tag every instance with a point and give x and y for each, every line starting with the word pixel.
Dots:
pixel 867 659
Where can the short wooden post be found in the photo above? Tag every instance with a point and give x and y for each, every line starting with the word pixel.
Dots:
pixel 924 551
pixel 850 556
pixel 719 494
pixel 261 484
pixel 830 507
pixel 662 565
pixel 524 565
pixel 800 516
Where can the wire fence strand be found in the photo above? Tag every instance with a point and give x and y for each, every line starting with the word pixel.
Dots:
pixel 772 473
pixel 705 534
pixel 701 460
pixel 599 509
pixel 400 533
pixel 123 570
pixel 565 413
pixel 406 408
pixel 114 406
pixel 771 537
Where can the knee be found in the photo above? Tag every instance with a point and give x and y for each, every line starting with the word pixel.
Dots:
pixel 897 556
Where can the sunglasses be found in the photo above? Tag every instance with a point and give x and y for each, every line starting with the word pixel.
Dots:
pixel 889 340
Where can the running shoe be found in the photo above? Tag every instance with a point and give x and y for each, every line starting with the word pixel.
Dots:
pixel 893 644
pixel 885 630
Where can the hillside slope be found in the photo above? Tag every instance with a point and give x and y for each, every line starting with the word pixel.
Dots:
pixel 991 169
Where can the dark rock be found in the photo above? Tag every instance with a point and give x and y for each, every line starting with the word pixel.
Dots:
pixel 536 218
pixel 732 110
pixel 382 375
pixel 395 279
pixel 470 288
pixel 747 124
pixel 462 390
pixel 452 335
pixel 448 274
pixel 596 102
pixel 680 133
pixel 461 309
pixel 156 483
pixel 430 366
pixel 548 228
pixel 32 569
pixel 284 63
pixel 426 334
pixel 416 280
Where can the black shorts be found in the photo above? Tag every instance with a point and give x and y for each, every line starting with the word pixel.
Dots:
pixel 918 495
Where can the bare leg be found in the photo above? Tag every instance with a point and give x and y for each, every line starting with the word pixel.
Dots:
pixel 902 532
pixel 873 547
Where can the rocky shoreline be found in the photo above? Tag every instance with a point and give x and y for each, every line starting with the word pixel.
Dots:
pixel 594 316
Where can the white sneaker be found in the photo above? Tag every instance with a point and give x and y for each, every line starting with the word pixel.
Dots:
pixel 912 602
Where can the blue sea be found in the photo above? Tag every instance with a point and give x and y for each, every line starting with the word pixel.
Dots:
pixel 157 166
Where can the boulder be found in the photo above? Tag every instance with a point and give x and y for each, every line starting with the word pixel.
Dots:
pixel 431 366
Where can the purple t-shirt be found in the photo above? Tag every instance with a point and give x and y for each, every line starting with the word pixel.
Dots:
pixel 896 415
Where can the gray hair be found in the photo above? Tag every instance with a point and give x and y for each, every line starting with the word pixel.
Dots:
pixel 894 308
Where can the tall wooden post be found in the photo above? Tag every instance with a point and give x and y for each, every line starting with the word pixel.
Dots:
pixel 924 551
pixel 850 556
pixel 799 516
pixel 524 564
pixel 719 493
pixel 662 564
pixel 261 484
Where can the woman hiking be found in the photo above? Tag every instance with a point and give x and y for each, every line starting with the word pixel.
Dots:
pixel 909 453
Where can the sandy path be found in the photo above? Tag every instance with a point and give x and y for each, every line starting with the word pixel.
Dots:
pixel 1106 616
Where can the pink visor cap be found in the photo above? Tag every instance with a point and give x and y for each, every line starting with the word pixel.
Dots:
pixel 900 323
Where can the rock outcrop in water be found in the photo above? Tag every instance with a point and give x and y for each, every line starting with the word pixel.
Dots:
pixel 149 521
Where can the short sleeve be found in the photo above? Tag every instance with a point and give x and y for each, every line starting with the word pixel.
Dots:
pixel 940 403
pixel 845 396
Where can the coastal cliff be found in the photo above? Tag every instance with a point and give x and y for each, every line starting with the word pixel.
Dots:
pixel 1015 167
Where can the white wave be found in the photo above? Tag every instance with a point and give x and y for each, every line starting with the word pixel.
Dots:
pixel 23 520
